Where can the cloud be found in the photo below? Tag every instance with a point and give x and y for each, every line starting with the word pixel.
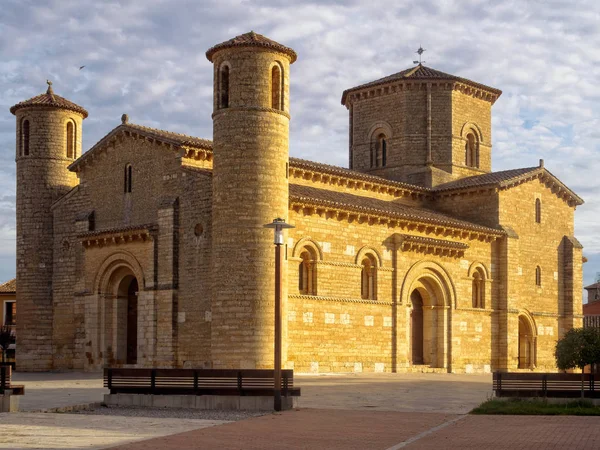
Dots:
pixel 147 59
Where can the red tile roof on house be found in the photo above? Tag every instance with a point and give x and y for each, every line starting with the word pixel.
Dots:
pixel 10 287
pixel 252 39
pixel 591 308
pixel 420 72
pixel 49 100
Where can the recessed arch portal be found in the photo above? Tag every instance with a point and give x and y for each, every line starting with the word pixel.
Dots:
pixel 527 351
pixel 429 294
pixel 119 282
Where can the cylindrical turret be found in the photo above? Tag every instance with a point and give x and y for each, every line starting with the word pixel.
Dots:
pixel 250 189
pixel 48 141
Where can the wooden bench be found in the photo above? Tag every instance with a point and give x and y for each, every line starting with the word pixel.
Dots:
pixel 559 385
pixel 198 382
pixel 6 384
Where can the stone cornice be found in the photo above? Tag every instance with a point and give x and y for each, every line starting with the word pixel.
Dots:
pixel 340 299
pixel 117 236
pixel 432 246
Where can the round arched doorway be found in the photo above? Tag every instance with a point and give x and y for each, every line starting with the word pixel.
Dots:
pixel 526 344
pixel 428 323
pixel 428 292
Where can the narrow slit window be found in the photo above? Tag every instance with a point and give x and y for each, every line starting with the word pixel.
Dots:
pixel 224 87
pixel 276 87
pixel 128 178
pixel 25 138
pixel 70 140
pixel 538 276
pixel 538 210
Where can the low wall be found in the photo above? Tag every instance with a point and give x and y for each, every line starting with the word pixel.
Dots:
pixel 220 402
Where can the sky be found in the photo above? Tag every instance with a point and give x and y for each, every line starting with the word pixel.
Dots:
pixel 147 59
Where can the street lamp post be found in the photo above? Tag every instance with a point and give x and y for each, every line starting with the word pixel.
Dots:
pixel 278 226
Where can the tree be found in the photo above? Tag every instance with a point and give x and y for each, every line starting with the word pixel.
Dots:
pixel 579 347
pixel 6 338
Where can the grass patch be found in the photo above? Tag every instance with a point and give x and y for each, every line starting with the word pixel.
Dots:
pixel 516 406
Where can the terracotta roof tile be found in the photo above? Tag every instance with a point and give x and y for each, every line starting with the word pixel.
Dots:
pixel 491 178
pixel 381 207
pixel 419 72
pixel 342 171
pixel 167 137
pixel 176 138
pixel 252 39
pixel 9 287
pixel 504 179
pixel 49 100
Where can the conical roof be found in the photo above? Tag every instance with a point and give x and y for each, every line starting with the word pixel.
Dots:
pixel 252 39
pixel 50 100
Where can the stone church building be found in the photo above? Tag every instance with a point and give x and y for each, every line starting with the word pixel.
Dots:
pixel 148 250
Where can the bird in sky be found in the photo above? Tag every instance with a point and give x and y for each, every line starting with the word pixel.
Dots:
pixel 81 67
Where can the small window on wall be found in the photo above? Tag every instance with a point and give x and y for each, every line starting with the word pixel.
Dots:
pixel 10 313
pixel 478 290
pixel 224 86
pixel 538 276
pixel 368 278
pixel 538 210
pixel 307 276
pixel 128 182
pixel 472 151
pixel 379 148
pixel 25 138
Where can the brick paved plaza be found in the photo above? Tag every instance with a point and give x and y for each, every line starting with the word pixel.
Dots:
pixel 366 411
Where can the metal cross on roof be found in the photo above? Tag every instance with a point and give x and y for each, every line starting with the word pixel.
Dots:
pixel 420 52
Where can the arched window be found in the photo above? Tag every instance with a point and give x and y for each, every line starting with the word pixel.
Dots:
pixel 128 178
pixel 538 276
pixel 224 86
pixel 538 210
pixel 478 289
pixel 277 87
pixel 25 138
pixel 307 273
pixel 368 278
pixel 71 139
pixel 472 151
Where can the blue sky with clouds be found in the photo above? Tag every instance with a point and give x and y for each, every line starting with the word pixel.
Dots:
pixel 146 59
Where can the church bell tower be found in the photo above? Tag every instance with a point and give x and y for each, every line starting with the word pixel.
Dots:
pixel 48 141
pixel 250 188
